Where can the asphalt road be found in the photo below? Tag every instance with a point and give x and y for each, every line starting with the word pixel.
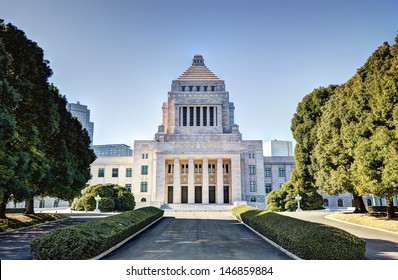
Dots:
pixel 197 236
pixel 380 245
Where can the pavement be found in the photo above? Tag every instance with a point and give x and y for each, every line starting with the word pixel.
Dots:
pixel 197 236
pixel 380 245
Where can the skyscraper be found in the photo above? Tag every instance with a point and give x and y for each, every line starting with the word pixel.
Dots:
pixel 83 115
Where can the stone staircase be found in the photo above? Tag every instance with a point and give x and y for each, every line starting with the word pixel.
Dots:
pixel 187 207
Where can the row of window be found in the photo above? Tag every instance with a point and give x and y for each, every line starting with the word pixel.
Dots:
pixel 267 171
pixel 198 168
pixel 198 88
pixel 198 116
pixel 115 172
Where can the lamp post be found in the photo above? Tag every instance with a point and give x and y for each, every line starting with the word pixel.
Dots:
pixel 298 198
pixel 97 200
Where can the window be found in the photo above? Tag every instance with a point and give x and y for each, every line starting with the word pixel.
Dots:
pixel 183 88
pixel 128 187
pixel 282 172
pixel 184 168
pixel 144 156
pixel 369 202
pixel 143 199
pixel 197 116
pixel 101 172
pixel 211 116
pixel 184 116
pixel 204 88
pixel 251 155
pixel 253 199
pixel 197 88
pixel 171 168
pixel 144 169
pixel 326 202
pixel 129 172
pixel 144 187
pixel 198 168
pixel 225 168
pixel 213 88
pixel 190 116
pixel 115 172
pixel 204 116
pixel 252 186
pixel 212 168
pixel 190 88
pixel 252 169
pixel 267 172
pixel 340 202
pixel 268 188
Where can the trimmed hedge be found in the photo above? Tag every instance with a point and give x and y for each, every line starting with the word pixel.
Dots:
pixel 89 239
pixel 310 241
pixel 376 209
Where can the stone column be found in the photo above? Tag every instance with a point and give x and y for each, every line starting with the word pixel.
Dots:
pixel 191 181
pixel 160 180
pixel 176 182
pixel 236 185
pixel 205 180
pixel 220 183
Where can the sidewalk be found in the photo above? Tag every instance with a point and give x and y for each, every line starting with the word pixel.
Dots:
pixel 15 245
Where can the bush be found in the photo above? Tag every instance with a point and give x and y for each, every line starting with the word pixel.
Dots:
pixel 106 204
pixel 373 209
pixel 113 198
pixel 310 241
pixel 89 239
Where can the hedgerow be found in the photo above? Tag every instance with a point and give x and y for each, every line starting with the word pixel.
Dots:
pixel 307 240
pixel 90 239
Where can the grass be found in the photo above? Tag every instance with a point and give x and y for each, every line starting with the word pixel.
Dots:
pixel 369 220
pixel 15 221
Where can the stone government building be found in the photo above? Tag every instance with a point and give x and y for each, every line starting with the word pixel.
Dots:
pixel 198 155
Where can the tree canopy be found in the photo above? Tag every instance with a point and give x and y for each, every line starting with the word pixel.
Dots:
pixel 43 149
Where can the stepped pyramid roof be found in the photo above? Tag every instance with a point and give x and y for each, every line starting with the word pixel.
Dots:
pixel 198 71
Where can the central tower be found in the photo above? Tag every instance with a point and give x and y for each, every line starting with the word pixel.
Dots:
pixel 197 105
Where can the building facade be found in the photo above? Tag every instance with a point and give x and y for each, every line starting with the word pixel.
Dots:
pixel 112 150
pixel 83 115
pixel 198 155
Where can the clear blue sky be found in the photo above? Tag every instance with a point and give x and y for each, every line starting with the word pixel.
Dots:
pixel 119 57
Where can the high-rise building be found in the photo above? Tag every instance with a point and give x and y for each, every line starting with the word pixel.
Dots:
pixel 83 115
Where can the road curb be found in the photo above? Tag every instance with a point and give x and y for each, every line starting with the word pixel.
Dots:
pixel 103 254
pixel 341 221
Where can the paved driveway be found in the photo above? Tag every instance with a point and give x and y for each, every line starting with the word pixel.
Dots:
pixel 379 245
pixel 197 236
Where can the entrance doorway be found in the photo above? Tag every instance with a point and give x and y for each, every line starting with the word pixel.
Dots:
pixel 212 194
pixel 184 194
pixel 198 194
pixel 226 194
pixel 170 194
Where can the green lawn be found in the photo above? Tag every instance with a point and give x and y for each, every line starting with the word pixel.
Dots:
pixel 368 220
pixel 14 221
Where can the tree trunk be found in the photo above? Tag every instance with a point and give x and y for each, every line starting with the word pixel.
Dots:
pixel 3 210
pixel 359 204
pixel 390 208
pixel 29 206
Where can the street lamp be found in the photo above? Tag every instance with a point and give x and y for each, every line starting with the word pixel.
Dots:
pixel 97 200
pixel 298 198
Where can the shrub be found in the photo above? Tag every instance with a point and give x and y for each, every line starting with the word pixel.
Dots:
pixel 89 239
pixel 106 204
pixel 311 241
pixel 123 200
pixel 383 209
